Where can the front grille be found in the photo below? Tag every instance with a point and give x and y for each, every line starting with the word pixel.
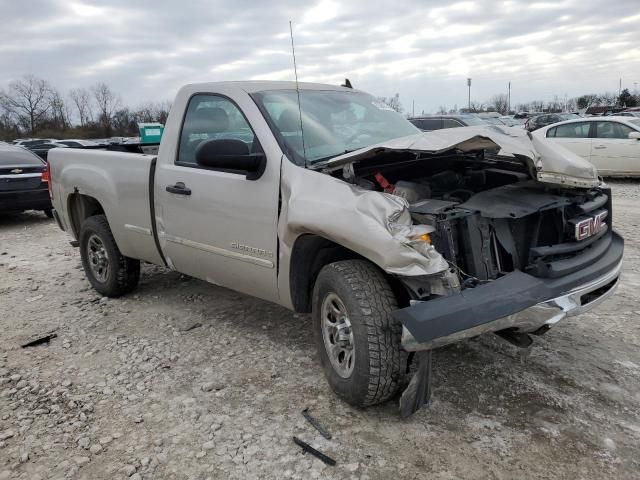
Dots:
pixel 571 236
pixel 485 240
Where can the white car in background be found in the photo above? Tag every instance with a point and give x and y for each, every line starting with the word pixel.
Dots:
pixel 76 143
pixel 611 144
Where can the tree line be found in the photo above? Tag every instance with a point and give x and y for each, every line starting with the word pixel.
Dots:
pixel 32 107
pixel 500 103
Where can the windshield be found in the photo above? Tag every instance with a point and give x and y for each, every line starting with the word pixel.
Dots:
pixel 493 121
pixel 473 121
pixel 333 122
pixel 568 116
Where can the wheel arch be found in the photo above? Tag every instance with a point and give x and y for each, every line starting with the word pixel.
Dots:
pixel 310 253
pixel 81 207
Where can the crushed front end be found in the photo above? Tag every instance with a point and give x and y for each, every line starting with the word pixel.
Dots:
pixel 521 253
pixel 526 256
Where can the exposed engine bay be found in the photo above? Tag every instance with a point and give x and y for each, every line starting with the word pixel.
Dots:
pixel 490 216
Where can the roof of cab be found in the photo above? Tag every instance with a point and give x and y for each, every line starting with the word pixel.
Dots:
pixel 253 86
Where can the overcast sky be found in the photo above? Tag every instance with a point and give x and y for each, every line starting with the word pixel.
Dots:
pixel 421 49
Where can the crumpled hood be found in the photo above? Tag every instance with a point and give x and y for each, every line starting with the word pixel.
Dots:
pixel 552 163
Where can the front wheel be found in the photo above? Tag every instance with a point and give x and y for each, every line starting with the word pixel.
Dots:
pixel 109 272
pixel 357 338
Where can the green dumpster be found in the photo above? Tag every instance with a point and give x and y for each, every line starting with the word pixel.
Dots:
pixel 150 132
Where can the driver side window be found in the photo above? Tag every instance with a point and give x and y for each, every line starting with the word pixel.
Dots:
pixel 211 117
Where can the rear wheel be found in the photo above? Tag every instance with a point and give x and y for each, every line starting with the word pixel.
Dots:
pixel 357 339
pixel 109 272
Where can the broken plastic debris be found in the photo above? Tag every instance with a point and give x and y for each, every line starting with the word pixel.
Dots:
pixel 42 339
pixel 315 424
pixel 308 448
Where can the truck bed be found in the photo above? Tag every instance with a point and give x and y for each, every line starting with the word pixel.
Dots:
pixel 120 182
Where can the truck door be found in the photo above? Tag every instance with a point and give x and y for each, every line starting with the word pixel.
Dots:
pixel 212 224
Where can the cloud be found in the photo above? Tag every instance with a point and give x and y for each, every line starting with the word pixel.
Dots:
pixel 147 49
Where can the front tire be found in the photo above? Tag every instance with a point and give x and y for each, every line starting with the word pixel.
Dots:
pixel 357 338
pixel 109 272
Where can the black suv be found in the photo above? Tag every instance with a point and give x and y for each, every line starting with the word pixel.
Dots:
pixel 438 122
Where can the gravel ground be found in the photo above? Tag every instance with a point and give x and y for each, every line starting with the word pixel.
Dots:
pixel 186 380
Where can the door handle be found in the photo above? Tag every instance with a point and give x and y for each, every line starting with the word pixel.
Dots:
pixel 599 147
pixel 179 189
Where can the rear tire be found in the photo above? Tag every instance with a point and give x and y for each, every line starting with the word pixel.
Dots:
pixel 109 272
pixel 352 303
pixel 48 212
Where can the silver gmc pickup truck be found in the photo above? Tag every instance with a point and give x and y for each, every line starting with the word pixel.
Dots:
pixel 323 200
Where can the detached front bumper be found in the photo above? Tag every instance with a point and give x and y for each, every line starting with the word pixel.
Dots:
pixel 516 300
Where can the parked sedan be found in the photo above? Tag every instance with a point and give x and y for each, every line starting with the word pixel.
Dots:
pixel 32 142
pixel 42 149
pixel 612 144
pixel 545 119
pixel 23 181
pixel 512 122
pixel 77 143
pixel 438 122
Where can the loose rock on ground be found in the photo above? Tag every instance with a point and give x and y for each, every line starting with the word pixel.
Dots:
pixel 128 390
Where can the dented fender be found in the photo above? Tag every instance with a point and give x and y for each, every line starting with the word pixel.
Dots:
pixel 376 225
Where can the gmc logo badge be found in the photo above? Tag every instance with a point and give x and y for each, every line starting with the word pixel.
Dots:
pixel 588 227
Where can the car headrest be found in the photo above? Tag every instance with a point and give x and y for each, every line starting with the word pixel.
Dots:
pixel 289 120
pixel 208 120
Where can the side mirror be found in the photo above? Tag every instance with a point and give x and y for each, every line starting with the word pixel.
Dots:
pixel 231 155
pixel 634 135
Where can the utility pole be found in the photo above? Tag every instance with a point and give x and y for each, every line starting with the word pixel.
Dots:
pixel 469 85
pixel 509 107
pixel 413 108
pixel 619 91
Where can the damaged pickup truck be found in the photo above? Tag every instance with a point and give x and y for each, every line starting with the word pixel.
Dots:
pixel 323 200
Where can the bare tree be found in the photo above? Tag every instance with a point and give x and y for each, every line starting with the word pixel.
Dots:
pixel 476 107
pixel 585 101
pixel 536 106
pixel 81 98
pixel 442 110
pixel 392 102
pixel 59 111
pixel 608 99
pixel 162 111
pixel 108 102
pixel 28 100
pixel 145 113
pixel 500 103
pixel 571 105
